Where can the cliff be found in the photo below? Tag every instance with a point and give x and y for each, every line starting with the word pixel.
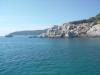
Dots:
pixel 82 28
pixel 94 31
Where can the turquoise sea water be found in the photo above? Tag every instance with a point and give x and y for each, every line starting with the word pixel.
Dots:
pixel 44 56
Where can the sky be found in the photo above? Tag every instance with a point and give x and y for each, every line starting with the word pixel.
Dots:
pixel 16 15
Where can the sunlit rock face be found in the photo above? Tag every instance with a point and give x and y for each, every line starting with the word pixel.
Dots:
pixel 55 31
pixel 81 28
pixel 78 30
pixel 69 30
pixel 94 31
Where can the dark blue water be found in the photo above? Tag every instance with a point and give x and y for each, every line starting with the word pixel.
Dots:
pixel 35 56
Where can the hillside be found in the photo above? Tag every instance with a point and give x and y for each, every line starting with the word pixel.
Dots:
pixel 26 33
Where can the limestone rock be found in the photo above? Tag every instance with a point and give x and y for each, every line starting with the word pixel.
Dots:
pixel 94 31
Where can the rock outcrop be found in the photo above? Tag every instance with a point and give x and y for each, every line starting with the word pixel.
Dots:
pixel 82 28
pixel 94 31
pixel 68 30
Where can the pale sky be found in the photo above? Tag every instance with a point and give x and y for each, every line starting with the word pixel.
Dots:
pixel 16 15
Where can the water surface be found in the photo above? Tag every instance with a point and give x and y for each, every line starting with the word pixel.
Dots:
pixel 44 56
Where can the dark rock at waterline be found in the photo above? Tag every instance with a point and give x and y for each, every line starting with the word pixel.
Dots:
pixel 9 36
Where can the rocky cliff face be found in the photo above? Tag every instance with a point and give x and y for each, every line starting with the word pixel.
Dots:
pixel 69 30
pixel 94 31
pixel 82 28
pixel 72 30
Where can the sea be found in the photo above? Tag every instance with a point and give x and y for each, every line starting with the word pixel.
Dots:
pixel 49 56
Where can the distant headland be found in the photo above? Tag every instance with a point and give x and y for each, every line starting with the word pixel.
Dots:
pixel 80 29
